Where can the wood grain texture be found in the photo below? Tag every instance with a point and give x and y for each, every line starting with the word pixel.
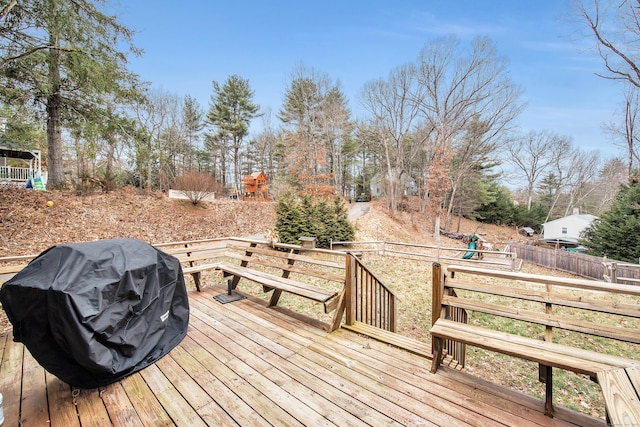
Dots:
pixel 621 398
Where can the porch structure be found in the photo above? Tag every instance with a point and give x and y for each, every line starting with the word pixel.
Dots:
pixel 11 175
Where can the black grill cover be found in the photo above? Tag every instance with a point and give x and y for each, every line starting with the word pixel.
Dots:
pixel 92 313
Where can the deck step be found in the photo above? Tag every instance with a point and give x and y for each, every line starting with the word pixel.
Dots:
pixel 414 346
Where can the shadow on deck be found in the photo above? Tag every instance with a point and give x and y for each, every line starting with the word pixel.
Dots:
pixel 244 364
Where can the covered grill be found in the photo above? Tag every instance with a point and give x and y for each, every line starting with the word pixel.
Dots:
pixel 92 313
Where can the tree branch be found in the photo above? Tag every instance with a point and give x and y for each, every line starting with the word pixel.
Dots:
pixel 5 10
pixel 34 50
pixel 609 46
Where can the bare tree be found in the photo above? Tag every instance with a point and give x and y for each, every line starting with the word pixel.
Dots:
pixel 310 129
pixel 395 105
pixel 533 154
pixel 266 146
pixel 154 114
pixel 472 151
pixel 573 173
pixel 582 173
pixel 461 86
pixel 626 133
pixel 615 25
pixel 610 177
pixel 334 120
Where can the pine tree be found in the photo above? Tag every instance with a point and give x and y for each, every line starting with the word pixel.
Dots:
pixel 231 111
pixel 319 218
pixel 65 58
pixel 289 220
pixel 616 234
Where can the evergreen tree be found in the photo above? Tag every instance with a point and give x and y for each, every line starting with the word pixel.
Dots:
pixel 309 226
pixel 231 111
pixel 616 234
pixel 289 219
pixel 498 208
pixel 21 128
pixel 320 218
pixel 66 58
pixel 193 122
pixel 533 217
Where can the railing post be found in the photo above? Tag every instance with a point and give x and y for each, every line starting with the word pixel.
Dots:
pixel 393 313
pixel 350 289
pixel 436 292
pixel 437 289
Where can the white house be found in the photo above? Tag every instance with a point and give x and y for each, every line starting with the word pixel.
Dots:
pixel 566 231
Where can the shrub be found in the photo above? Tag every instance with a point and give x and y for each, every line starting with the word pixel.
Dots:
pixel 314 217
pixel 196 186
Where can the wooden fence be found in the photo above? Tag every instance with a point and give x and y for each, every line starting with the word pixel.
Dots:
pixel 495 259
pixel 593 267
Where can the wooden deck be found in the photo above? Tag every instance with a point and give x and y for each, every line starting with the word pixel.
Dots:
pixel 244 364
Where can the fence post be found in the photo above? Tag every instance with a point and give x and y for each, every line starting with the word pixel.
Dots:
pixel 614 272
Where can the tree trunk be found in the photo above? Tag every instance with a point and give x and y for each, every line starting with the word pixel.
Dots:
pixel 55 165
pixel 108 175
pixel 149 169
pixel 436 227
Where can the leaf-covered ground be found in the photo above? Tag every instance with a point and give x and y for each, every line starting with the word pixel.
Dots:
pixel 30 226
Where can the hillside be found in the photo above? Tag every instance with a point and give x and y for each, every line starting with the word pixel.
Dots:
pixel 29 226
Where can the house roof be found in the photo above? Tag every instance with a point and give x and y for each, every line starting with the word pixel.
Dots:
pixel 579 217
pixel 13 153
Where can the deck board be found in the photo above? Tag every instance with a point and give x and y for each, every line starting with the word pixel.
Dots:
pixel 243 364
pixel 33 386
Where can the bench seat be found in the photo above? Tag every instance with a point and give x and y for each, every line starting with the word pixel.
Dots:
pixel 621 391
pixel 279 284
pixel 575 305
pixel 546 353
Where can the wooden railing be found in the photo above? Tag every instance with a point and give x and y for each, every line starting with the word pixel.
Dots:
pixel 455 350
pixel 13 173
pixel 367 299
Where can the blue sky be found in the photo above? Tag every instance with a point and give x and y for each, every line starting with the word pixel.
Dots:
pixel 189 44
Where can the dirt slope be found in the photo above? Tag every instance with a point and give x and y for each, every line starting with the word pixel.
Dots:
pixel 29 226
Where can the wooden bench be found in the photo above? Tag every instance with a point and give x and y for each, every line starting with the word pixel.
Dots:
pixel 280 284
pixel 196 256
pixel 11 265
pixel 269 265
pixel 561 303
pixel 191 253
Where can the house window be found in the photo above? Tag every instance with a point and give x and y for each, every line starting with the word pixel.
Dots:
pixel 564 230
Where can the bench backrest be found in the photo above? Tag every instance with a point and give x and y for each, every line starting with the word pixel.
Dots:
pixel 287 260
pixel 594 308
